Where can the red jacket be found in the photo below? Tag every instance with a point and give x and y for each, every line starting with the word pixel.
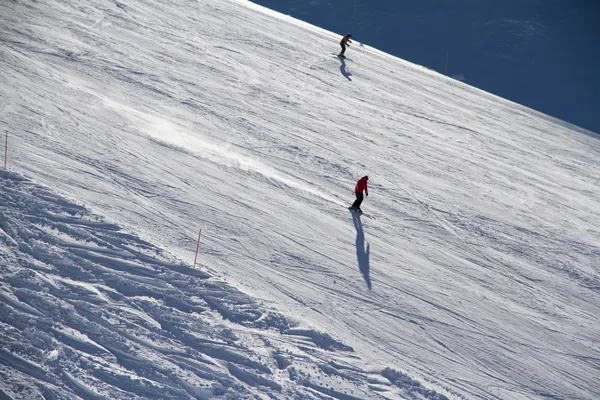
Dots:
pixel 362 185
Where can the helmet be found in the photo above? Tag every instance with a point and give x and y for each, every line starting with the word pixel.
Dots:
pixel 349 35
pixel 366 177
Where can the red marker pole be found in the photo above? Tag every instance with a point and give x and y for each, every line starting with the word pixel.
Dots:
pixel 5 149
pixel 446 64
pixel 197 246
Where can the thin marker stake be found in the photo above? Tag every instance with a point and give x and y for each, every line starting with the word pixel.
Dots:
pixel 197 246
pixel 5 149
pixel 446 64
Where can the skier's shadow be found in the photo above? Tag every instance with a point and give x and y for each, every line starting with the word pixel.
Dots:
pixel 343 69
pixel 362 255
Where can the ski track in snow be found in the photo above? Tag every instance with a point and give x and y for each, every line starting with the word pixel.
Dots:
pixel 478 273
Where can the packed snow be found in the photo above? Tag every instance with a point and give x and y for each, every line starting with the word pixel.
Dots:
pixel 473 273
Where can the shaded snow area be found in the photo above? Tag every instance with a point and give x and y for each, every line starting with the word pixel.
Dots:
pixel 473 274
pixel 89 310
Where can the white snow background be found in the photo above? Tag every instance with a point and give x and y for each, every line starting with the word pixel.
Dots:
pixel 133 124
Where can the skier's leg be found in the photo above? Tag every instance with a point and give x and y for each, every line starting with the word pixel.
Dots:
pixel 358 201
pixel 353 206
pixel 343 49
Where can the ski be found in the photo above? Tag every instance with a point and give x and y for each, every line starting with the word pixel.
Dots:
pixel 360 213
pixel 341 57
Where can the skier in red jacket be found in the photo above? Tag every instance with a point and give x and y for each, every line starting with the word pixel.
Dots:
pixel 361 186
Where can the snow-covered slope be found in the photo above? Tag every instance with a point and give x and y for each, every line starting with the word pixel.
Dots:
pixel 534 52
pixel 475 271
pixel 93 311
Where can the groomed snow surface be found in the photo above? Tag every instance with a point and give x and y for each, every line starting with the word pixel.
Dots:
pixel 131 125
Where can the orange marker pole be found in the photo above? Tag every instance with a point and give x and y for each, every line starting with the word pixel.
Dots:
pixel 5 149
pixel 446 71
pixel 197 246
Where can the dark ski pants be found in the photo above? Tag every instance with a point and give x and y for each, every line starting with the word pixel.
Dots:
pixel 343 49
pixel 359 200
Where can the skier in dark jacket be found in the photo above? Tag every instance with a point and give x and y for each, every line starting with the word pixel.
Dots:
pixel 345 42
pixel 361 186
